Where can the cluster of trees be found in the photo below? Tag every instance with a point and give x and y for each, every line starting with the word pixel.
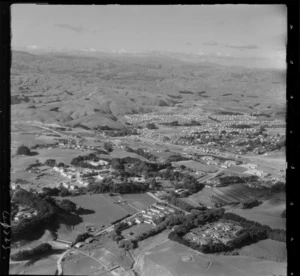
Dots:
pixel 126 187
pixel 23 255
pixel 190 123
pixel 116 234
pixel 278 187
pixel 17 99
pixel 108 146
pixel 186 92
pixel 80 161
pixel 227 180
pixel 190 183
pixel 176 158
pixel 136 167
pixel 14 208
pixel 52 163
pixel 101 128
pixel 67 205
pixel 151 126
pixel 21 181
pixel 42 146
pixel 261 114
pixel 34 165
pixel 47 210
pixel 174 123
pixel 128 244
pixel 251 204
pixel 81 237
pixel 274 234
pixel 143 153
pixel 182 181
pixel 121 132
pixel 23 150
pixel 229 113
pixel 242 126
pixel 62 191
pixel 213 119
pixel 252 232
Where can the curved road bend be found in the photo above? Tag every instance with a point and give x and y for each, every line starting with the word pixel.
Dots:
pixel 59 267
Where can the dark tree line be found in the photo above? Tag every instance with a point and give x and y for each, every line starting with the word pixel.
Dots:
pixel 251 204
pixel 32 253
pixel 227 180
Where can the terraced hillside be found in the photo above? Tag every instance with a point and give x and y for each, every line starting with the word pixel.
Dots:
pixel 235 193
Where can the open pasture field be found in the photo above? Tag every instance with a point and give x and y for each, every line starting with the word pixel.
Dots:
pixel 47 178
pixel 29 139
pixel 266 249
pixel 140 201
pixel 81 264
pixel 245 266
pixel 173 259
pixel 271 163
pixel 21 175
pixel 236 169
pixel 122 154
pixel 268 213
pixel 105 256
pixel 60 155
pixel 108 252
pixel 277 130
pixel 196 166
pixel 21 162
pixel 45 266
pixel 105 212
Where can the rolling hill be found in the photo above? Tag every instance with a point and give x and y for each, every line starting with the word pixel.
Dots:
pixel 98 90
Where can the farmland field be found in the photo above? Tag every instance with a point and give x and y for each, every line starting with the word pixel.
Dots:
pixel 197 166
pixel 268 213
pixel 60 155
pixel 140 201
pixel 266 249
pixel 40 267
pixel 224 195
pixel 172 259
pixel 29 140
pixel 122 154
pixel 81 265
pixel 105 211
pixel 236 169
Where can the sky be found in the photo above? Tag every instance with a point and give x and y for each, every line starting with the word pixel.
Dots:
pixel 250 35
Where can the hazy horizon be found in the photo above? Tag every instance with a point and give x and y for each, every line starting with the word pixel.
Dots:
pixel 242 35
